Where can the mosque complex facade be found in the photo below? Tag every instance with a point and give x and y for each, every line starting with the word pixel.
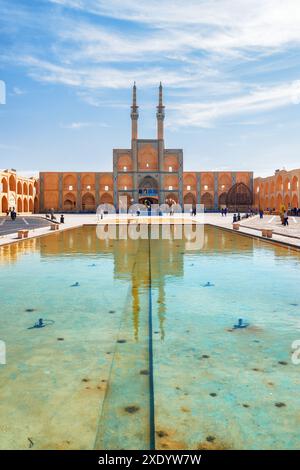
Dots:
pixel 148 173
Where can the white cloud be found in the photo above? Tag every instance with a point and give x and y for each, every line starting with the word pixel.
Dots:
pixel 198 113
pixel 222 23
pixel 195 47
pixel 82 125
pixel 259 100
pixel 186 44
pixel 96 77
pixel 176 31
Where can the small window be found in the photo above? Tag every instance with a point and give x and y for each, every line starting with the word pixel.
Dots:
pixel 170 188
pixel 106 188
pixel 125 188
pixel 170 168
pixel 125 168
pixel 188 188
pixel 70 188
pixel 88 187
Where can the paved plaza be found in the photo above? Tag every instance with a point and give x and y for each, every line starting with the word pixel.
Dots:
pixel 38 226
pixel 8 226
pixel 274 222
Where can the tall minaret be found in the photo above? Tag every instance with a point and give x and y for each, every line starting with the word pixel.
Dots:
pixel 134 115
pixel 160 115
pixel 134 143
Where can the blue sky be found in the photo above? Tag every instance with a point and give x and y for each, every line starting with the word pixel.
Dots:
pixel 230 70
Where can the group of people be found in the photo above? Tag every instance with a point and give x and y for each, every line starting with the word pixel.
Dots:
pixel 296 211
pixel 249 213
pixel 284 215
pixel 193 211
pixel 53 218
pixel 236 217
pixel 224 211
pixel 12 213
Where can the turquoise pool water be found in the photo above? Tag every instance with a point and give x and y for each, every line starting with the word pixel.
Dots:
pixel 140 354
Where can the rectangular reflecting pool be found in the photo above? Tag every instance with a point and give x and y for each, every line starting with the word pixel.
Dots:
pixel 138 353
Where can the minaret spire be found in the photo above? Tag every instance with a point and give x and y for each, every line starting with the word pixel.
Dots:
pixel 134 95
pixel 160 95
pixel 160 114
pixel 134 114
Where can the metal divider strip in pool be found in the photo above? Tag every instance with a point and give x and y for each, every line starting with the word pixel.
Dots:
pixel 124 416
pixel 151 372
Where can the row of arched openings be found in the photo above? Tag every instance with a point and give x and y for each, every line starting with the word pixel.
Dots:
pixel 21 205
pixel 238 197
pixel 88 202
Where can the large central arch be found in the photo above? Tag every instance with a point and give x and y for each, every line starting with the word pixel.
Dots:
pixel 148 190
pixel 239 197
pixel 148 182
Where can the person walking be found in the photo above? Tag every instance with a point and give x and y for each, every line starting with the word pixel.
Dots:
pixel 13 214
pixel 285 218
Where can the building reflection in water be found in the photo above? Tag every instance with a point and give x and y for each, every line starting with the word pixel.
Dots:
pixel 131 258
